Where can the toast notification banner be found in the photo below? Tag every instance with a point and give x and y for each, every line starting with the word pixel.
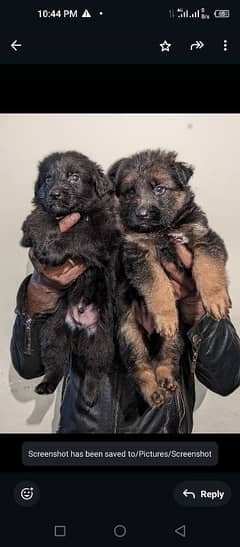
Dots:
pixel 119 453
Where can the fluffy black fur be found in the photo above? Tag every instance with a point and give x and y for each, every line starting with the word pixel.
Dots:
pixel 70 182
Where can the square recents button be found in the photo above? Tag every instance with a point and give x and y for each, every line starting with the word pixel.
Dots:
pixel 60 531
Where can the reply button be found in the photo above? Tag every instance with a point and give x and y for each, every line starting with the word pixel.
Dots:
pixel 202 493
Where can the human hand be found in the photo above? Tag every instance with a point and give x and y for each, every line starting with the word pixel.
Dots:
pixel 184 287
pixel 58 277
pixel 44 287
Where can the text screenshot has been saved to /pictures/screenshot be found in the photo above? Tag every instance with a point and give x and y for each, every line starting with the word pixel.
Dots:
pixel 119 337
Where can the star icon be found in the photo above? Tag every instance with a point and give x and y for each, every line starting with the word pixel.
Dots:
pixel 165 46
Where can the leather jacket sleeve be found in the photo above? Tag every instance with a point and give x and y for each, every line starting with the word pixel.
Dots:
pixel 216 354
pixel 25 341
pixel 215 348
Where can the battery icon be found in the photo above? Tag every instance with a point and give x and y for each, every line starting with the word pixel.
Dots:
pixel 222 13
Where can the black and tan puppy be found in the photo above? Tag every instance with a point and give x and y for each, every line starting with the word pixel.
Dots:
pixel 156 202
pixel 83 322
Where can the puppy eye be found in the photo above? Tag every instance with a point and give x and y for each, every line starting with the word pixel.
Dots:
pixel 129 193
pixel 159 190
pixel 48 179
pixel 74 177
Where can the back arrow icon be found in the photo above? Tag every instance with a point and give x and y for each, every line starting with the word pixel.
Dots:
pixel 15 45
pixel 181 531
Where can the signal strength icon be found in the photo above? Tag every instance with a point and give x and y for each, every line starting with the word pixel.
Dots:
pixel 195 14
pixel 182 13
pixel 185 14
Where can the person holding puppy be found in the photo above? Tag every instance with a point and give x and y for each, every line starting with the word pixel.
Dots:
pixel 211 352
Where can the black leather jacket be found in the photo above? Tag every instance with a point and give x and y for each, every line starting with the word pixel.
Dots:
pixel 212 352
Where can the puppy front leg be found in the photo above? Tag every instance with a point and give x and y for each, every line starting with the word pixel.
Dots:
pixel 53 250
pixel 209 273
pixel 211 280
pixel 136 357
pixel 208 270
pixel 48 244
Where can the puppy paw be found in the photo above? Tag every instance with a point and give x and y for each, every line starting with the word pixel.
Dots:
pixel 157 398
pixel 166 379
pixel 166 323
pixel 45 388
pixel 217 303
pixel 153 394
pixel 51 253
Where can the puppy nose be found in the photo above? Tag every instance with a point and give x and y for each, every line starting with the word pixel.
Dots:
pixel 56 194
pixel 141 212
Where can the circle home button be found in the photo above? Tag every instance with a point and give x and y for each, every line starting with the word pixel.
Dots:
pixel 120 531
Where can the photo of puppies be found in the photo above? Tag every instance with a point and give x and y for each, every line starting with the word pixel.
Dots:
pixel 83 321
pixel 156 208
pixel 116 316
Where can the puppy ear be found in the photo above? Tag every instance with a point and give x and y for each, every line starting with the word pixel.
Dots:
pixel 103 185
pixel 38 190
pixel 183 172
pixel 114 170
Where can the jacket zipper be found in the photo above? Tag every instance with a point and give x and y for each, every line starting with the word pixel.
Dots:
pixel 196 346
pixel 28 331
pixel 28 337
pixel 180 402
pixel 194 360
pixel 179 396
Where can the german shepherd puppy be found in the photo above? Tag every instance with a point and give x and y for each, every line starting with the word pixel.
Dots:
pixel 156 203
pixel 83 322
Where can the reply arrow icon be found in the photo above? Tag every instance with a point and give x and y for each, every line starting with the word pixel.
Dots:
pixel 187 493
pixel 15 45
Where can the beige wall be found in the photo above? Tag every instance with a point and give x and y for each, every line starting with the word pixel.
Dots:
pixel 211 143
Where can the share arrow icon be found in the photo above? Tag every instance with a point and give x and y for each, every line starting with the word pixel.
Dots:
pixel 197 45
pixel 15 45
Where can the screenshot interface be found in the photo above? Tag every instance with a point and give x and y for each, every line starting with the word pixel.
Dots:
pixel 111 431
pixel 119 278
pixel 111 32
